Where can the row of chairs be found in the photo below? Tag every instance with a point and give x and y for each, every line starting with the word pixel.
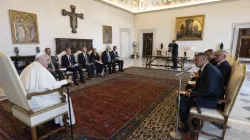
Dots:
pixel 237 76
pixel 68 73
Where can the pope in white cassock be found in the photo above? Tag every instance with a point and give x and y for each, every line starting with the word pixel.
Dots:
pixel 36 78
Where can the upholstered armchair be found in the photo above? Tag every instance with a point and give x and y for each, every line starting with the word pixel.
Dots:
pixel 18 99
pixel 231 60
pixel 215 115
pixel 234 67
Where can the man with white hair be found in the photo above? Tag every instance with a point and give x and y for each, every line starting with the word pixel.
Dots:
pixel 107 60
pixel 36 78
pixel 223 65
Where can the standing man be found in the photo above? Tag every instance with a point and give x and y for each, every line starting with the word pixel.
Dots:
pixel 107 60
pixel 174 54
pixel 69 62
pixel 53 67
pixel 115 57
pixel 84 60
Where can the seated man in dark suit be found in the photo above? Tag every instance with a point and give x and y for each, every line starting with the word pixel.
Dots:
pixel 210 56
pixel 107 60
pixel 223 65
pixel 53 67
pixel 206 93
pixel 84 60
pixel 68 61
pixel 115 57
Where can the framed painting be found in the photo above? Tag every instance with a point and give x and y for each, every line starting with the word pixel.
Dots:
pixel 24 27
pixel 189 28
pixel 107 34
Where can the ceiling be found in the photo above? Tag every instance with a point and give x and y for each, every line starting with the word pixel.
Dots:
pixel 139 6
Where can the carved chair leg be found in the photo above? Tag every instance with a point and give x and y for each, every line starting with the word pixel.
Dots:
pixel 17 128
pixel 33 133
pixel 224 129
pixel 65 120
pixel 190 123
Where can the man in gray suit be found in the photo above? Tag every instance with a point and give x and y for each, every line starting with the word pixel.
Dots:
pixel 53 66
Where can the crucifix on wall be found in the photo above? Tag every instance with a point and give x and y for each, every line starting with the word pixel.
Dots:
pixel 73 17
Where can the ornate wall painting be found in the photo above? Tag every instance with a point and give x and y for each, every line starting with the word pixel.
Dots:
pixel 107 34
pixel 24 27
pixel 189 28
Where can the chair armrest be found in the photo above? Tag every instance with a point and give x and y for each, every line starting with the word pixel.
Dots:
pixel 60 90
pixel 223 101
pixel 30 95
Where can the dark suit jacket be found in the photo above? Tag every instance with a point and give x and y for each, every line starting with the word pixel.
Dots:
pixel 174 49
pixel 213 62
pixel 105 56
pixel 94 57
pixel 209 87
pixel 65 61
pixel 82 60
pixel 114 54
pixel 54 61
pixel 225 70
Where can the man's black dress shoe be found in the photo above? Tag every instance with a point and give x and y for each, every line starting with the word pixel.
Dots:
pixel 183 129
pixel 76 83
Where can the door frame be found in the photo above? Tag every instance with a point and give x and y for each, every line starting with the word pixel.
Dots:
pixel 141 32
pixel 129 41
pixel 235 36
pixel 240 42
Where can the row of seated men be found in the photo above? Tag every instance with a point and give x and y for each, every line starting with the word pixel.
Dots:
pixel 211 82
pixel 92 62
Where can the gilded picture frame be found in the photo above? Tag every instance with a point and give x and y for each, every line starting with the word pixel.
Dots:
pixel 24 27
pixel 107 34
pixel 189 28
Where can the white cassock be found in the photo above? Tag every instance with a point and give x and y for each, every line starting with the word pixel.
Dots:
pixel 36 78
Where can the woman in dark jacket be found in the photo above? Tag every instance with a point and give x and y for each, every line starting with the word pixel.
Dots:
pixel 94 57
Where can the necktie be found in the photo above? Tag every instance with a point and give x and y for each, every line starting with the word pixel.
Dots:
pixel 86 58
pixel 52 65
pixel 109 59
pixel 70 63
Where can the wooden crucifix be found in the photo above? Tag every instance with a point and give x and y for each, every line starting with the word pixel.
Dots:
pixel 73 17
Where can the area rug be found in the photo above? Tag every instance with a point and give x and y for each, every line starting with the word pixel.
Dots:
pixel 110 109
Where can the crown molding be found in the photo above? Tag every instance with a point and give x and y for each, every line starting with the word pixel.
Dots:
pixel 163 8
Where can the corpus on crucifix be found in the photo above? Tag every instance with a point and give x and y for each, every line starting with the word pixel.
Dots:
pixel 73 17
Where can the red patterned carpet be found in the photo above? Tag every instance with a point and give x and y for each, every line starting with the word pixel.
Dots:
pixel 111 109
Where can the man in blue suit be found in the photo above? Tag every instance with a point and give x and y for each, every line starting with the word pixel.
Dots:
pixel 206 93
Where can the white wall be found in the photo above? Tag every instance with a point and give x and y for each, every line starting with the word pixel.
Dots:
pixel 219 19
pixel 53 25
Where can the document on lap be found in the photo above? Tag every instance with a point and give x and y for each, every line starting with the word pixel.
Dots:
pixel 191 82
pixel 182 92
pixel 76 65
